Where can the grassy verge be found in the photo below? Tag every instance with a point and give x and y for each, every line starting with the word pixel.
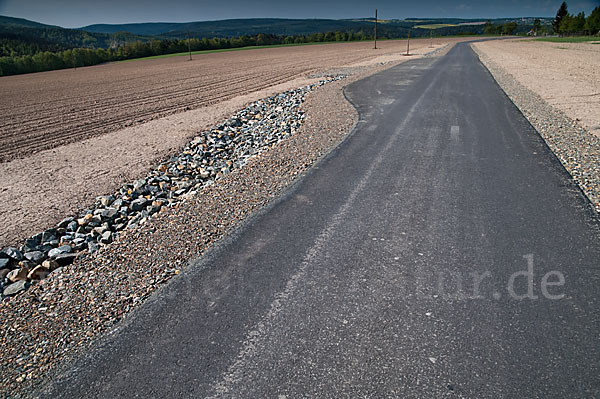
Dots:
pixel 569 39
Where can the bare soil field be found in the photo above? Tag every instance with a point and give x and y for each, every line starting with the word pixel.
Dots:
pixel 69 136
pixel 566 75
pixel 45 110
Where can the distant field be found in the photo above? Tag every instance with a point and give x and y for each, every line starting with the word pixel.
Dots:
pixel 570 39
pixel 434 26
pixel 226 50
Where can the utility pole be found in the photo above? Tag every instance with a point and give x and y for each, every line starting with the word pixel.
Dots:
pixel 375 30
pixel 189 45
pixel 431 37
pixel 408 44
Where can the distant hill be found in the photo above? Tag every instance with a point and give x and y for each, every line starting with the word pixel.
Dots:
pixel 27 46
pixel 23 37
pixel 23 23
pixel 235 27
pixel 394 28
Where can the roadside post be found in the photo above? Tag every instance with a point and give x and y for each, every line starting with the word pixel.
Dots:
pixel 375 35
pixel 189 45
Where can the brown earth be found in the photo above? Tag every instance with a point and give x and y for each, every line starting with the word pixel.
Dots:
pixel 44 110
pixel 565 75
pixel 75 121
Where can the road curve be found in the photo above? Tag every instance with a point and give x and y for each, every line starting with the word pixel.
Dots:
pixel 440 250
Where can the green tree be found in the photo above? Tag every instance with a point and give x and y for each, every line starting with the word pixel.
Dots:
pixel 592 23
pixel 537 25
pixel 560 14
pixel 565 24
pixel 577 23
pixel 510 28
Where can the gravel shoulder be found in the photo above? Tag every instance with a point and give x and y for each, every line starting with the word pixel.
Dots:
pixel 45 327
pixel 564 75
pixel 566 120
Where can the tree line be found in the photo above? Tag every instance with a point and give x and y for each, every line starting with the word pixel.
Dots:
pixel 508 28
pixel 568 24
pixel 34 59
pixel 563 24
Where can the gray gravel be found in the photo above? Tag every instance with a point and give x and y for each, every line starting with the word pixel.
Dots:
pixel 577 149
pixel 44 328
pixel 210 156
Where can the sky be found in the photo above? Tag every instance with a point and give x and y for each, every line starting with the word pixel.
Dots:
pixel 78 13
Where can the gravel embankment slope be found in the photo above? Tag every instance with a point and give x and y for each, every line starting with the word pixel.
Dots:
pixel 576 148
pixel 45 327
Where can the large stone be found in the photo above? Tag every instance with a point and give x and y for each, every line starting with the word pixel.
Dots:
pixel 49 235
pixel 72 226
pixel 4 263
pixel 65 249
pixel 65 259
pixel 35 256
pixel 138 204
pixel 39 272
pixel 106 200
pixel 18 274
pixel 31 245
pixel 106 237
pixel 138 185
pixel 65 222
pixel 98 231
pixel 12 253
pixel 50 264
pixel 85 220
pixel 15 288
pixel 118 204
pixel 109 213
pixel 92 247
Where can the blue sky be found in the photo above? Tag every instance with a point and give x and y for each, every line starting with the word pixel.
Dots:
pixel 77 13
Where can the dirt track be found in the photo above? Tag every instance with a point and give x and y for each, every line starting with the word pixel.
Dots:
pixel 44 110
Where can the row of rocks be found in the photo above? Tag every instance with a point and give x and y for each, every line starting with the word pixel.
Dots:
pixel 208 157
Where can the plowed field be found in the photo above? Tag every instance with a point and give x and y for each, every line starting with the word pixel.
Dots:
pixel 45 110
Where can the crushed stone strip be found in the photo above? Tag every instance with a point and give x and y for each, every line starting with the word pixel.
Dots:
pixel 576 148
pixel 207 158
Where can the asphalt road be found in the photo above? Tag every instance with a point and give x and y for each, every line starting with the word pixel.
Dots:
pixel 389 270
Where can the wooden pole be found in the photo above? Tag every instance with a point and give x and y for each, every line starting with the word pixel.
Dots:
pixel 189 45
pixel 375 29
pixel 408 44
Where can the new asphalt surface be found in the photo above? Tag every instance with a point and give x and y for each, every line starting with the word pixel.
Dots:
pixel 440 251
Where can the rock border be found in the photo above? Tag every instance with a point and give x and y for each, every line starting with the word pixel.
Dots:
pixel 211 155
